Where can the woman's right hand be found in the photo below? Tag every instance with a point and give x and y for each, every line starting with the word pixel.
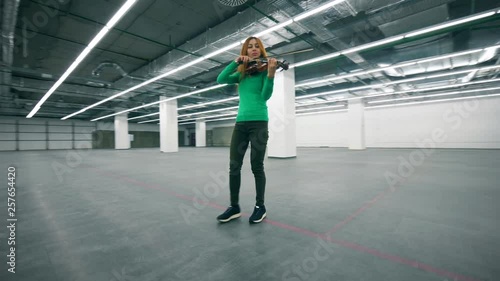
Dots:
pixel 242 59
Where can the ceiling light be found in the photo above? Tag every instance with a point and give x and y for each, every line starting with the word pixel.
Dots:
pixel 320 112
pixel 142 116
pixel 388 67
pixel 142 122
pixel 451 56
pixel 208 111
pixel 317 10
pixel 435 88
pixel 274 28
pixel 157 102
pixel 119 14
pixel 432 101
pixel 371 45
pixel 228 118
pixel 221 115
pixel 436 95
pixel 326 57
pixel 314 103
pixel 322 107
pixel 446 25
pixel 334 92
pixel 302 16
pixel 209 103
pixel 377 43
pixel 225 49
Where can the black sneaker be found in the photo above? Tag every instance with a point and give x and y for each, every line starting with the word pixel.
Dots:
pixel 232 212
pixel 259 213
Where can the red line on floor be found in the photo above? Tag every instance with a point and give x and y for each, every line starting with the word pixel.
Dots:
pixel 326 237
pixel 357 212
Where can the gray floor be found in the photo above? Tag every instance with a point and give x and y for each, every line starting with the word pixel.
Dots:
pixel 333 214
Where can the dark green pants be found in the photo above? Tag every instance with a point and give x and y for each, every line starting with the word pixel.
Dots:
pixel 256 133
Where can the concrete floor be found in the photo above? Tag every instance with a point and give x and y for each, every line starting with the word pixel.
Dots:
pixel 333 214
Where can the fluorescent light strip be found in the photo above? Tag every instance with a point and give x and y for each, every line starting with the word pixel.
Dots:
pixel 274 28
pixel 193 106
pixel 320 112
pixel 142 122
pixel 157 102
pixel 119 14
pixel 345 99
pixel 322 107
pixel 143 116
pixel 453 55
pixel 399 37
pixel 221 115
pixel 339 106
pixel 437 95
pixel 371 45
pixel 375 86
pixel 335 92
pixel 314 103
pixel 436 88
pixel 437 75
pixel 186 123
pixel 432 101
pixel 306 62
pixel 228 118
pixel 208 111
pixel 209 103
pixel 317 10
pixel 220 51
pixel 302 16
pixel 452 23
pixel 233 114
pixel 359 73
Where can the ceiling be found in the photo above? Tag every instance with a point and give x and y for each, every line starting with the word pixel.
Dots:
pixel 157 36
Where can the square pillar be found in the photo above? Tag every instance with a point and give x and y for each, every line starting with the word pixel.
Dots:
pixel 356 124
pixel 281 108
pixel 122 140
pixel 201 134
pixel 169 136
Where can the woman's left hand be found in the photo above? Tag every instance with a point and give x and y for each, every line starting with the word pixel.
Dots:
pixel 271 67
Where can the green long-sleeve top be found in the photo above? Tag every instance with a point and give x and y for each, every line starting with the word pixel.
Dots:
pixel 254 91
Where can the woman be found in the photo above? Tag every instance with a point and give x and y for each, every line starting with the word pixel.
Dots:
pixel 251 125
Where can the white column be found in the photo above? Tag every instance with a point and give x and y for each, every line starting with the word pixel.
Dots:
pixel 169 136
pixel 356 124
pixel 122 140
pixel 201 134
pixel 281 107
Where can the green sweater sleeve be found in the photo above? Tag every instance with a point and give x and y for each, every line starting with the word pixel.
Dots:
pixel 267 89
pixel 228 75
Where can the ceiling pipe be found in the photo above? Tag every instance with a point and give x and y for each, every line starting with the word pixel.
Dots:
pixel 10 9
pixel 107 64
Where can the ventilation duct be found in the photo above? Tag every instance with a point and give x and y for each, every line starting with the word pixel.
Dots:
pixel 9 18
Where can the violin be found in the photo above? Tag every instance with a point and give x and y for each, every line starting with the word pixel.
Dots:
pixel 260 65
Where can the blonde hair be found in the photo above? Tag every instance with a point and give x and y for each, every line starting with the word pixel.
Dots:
pixel 244 52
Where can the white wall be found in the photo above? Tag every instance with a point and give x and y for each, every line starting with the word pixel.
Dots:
pixel 462 124
pixel 328 129
pixel 42 133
